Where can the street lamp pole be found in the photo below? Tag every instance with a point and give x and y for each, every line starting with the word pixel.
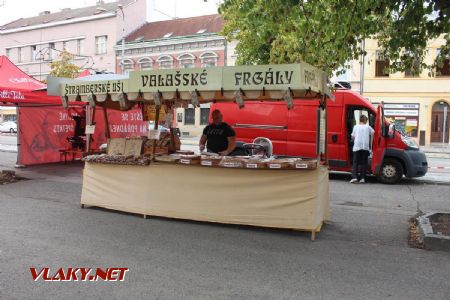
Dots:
pixel 123 37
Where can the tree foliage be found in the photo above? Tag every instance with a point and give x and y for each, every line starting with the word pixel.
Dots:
pixel 328 33
pixel 64 66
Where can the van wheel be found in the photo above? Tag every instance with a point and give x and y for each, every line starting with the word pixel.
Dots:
pixel 11 130
pixel 391 171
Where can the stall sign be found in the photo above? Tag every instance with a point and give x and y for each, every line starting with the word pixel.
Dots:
pixel 97 87
pixel 270 77
pixel 273 77
pixel 183 80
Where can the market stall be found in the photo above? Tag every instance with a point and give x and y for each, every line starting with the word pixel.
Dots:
pixel 149 176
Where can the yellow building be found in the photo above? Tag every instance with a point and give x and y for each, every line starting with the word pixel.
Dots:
pixel 419 105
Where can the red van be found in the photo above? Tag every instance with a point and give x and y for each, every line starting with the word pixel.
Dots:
pixel 293 133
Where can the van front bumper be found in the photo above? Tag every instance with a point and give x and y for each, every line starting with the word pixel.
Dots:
pixel 418 164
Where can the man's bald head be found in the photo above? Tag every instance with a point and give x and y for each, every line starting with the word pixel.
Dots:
pixel 217 117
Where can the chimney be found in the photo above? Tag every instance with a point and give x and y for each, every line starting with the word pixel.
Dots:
pixel 45 12
pixel 65 9
pixel 100 2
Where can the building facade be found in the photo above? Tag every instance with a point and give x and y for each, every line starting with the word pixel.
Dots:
pixel 179 43
pixel 419 105
pixel 89 33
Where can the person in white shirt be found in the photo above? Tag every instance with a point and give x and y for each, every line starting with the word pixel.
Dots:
pixel 362 135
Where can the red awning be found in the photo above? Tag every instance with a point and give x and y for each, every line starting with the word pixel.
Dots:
pixel 17 88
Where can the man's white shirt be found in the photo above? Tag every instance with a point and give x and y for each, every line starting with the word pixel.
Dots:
pixel 362 136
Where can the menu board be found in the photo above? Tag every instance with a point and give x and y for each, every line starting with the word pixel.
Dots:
pixel 116 146
pixel 133 146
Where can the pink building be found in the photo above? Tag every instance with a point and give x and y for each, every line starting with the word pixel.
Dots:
pixel 179 43
pixel 89 33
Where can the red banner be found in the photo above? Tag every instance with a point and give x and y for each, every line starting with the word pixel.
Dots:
pixel 44 130
pixel 121 124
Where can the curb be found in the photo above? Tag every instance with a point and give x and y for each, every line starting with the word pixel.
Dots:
pixel 426 181
pixel 431 240
pixel 437 155
pixel 8 150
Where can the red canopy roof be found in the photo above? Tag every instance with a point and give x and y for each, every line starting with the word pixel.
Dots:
pixel 16 87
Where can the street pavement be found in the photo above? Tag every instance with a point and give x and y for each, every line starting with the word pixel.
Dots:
pixel 362 253
pixel 438 158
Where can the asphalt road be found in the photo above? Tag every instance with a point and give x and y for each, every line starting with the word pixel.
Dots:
pixel 439 167
pixel 8 139
pixel 361 254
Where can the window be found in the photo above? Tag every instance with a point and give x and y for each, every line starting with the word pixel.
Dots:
pixel 414 70
pixel 51 51
pixel 127 65
pixel 80 47
pixel 100 44
pixel 145 64
pixel 186 60
pixel 209 59
pixel 179 117
pixel 443 68
pixel 165 62
pixel 8 53
pixel 19 55
pixel 381 64
pixel 33 53
pixel 189 116
pixel 204 116
pixel 65 45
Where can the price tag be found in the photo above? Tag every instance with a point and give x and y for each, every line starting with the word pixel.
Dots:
pixel 252 166
pixel 90 129
pixel 275 166
pixel 301 166
pixel 206 163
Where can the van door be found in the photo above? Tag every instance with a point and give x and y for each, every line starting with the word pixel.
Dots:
pixel 353 115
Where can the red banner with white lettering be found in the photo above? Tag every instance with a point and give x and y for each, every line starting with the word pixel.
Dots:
pixel 121 124
pixel 44 131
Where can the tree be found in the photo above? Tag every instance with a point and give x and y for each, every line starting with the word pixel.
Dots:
pixel 64 66
pixel 329 33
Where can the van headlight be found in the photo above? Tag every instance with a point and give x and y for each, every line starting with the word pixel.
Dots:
pixel 409 142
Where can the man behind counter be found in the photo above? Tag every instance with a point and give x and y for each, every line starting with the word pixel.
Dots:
pixel 218 136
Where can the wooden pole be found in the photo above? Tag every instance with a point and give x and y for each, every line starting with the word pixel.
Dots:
pixel 91 122
pixel 105 115
pixel 155 127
